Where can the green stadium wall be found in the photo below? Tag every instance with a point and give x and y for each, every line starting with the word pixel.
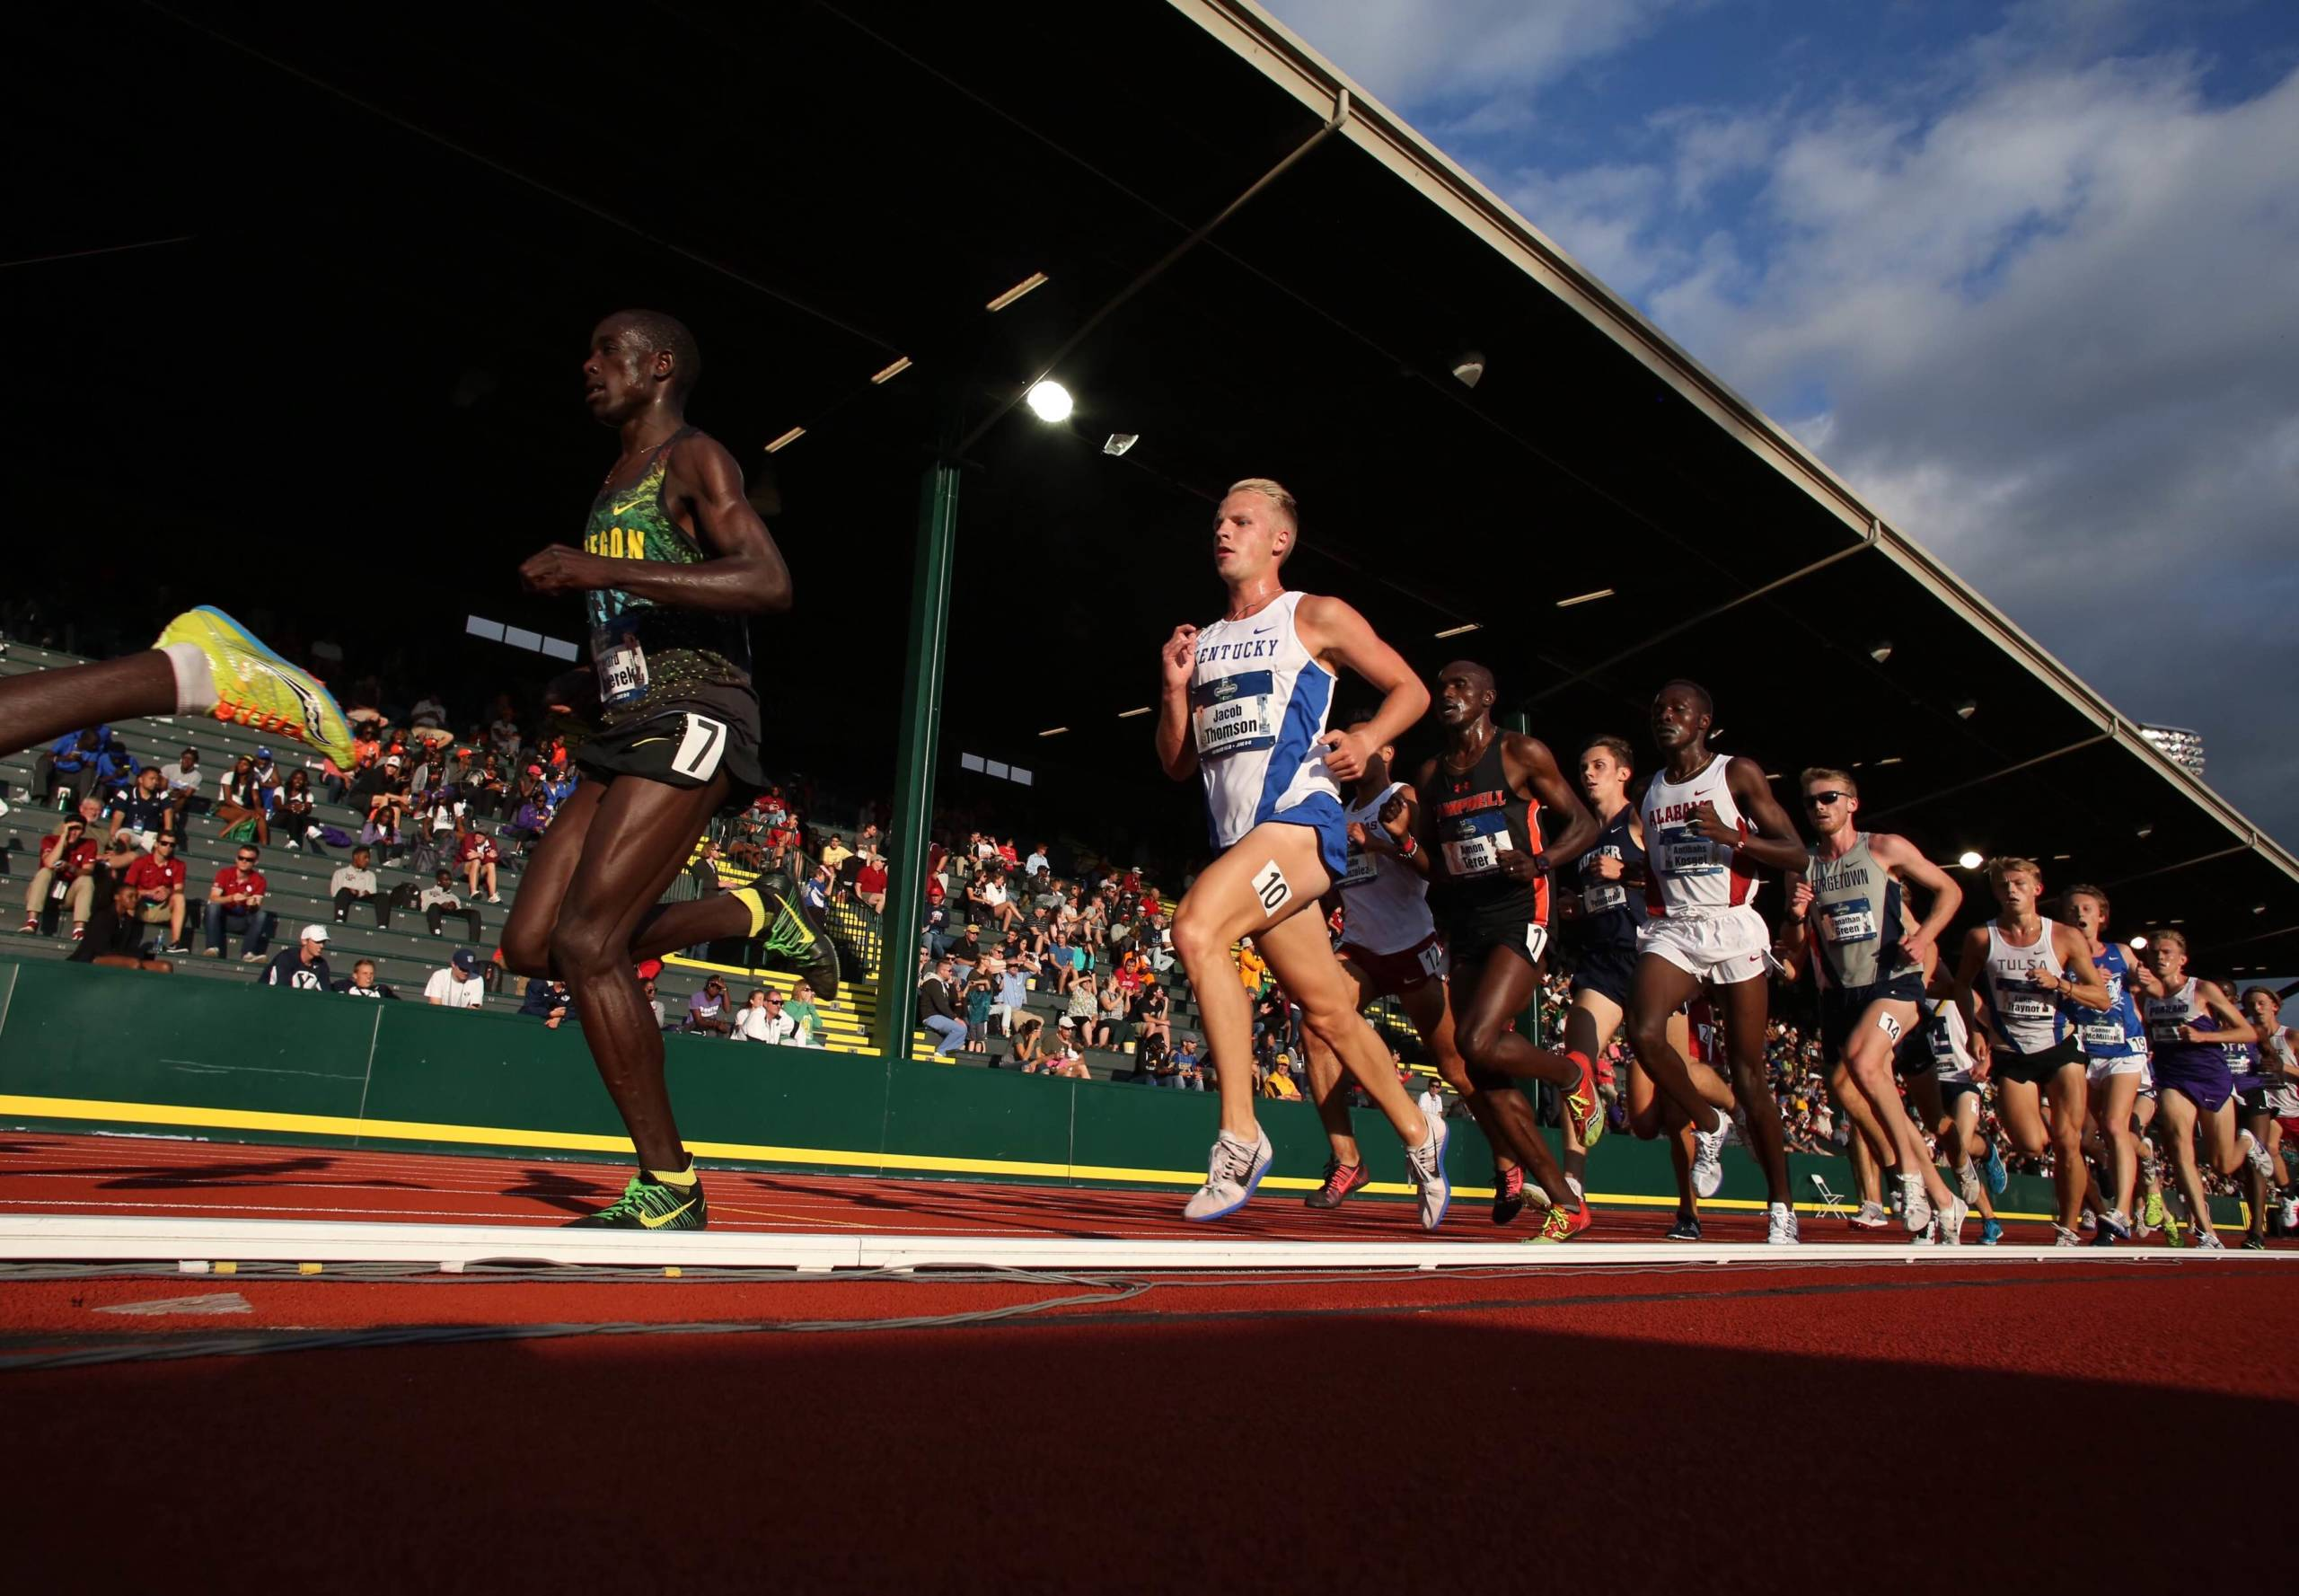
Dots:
pixel 84 1049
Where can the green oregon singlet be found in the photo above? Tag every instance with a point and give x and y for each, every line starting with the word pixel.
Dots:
pixel 647 653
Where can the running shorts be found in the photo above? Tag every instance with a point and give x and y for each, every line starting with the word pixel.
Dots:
pixel 2097 1070
pixel 2034 1068
pixel 2199 1074
pixel 1953 1087
pixel 1392 973
pixel 1470 936
pixel 709 728
pixel 1724 948
pixel 1322 813
pixel 1842 1006
pixel 2290 1123
pixel 1606 970
pixel 2251 1095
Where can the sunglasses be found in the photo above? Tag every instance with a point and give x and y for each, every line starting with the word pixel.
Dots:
pixel 1821 801
pixel 247 858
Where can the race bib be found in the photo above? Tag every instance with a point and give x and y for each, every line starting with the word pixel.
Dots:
pixel 2102 1036
pixel 1231 714
pixel 1362 868
pixel 1603 898
pixel 1683 852
pixel 1848 922
pixel 1474 842
pixel 2025 1005
pixel 2164 1033
pixel 621 664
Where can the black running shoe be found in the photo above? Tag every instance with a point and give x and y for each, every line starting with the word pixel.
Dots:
pixel 1507 1195
pixel 651 1206
pixel 1686 1229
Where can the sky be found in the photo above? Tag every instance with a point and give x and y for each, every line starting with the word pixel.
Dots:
pixel 2025 274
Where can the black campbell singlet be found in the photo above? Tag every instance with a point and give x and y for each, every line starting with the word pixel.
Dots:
pixel 1611 911
pixel 1473 816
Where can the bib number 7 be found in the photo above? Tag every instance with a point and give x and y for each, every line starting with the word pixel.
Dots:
pixel 702 748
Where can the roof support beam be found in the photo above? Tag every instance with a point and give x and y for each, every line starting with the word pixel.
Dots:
pixel 2200 859
pixel 1992 776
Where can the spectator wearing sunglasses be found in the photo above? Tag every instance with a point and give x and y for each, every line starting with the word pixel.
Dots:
pixel 235 903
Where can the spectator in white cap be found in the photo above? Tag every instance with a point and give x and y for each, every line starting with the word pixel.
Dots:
pixel 458 986
pixel 303 968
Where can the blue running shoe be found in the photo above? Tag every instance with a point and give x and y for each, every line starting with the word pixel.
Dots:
pixel 1998 1177
pixel 1990 1233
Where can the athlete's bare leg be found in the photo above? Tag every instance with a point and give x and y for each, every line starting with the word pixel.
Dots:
pixel 1590 1024
pixel 1651 1114
pixel 1430 1008
pixel 2111 1105
pixel 1326 1093
pixel 1871 1153
pixel 1975 1145
pixel 1867 1059
pixel 1747 1007
pixel 543 888
pixel 1658 991
pixel 40 706
pixel 2177 1116
pixel 2256 1185
pixel 653 826
pixel 1494 982
pixel 1300 956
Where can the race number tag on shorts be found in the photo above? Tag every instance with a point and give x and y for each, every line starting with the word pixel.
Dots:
pixel 1230 714
pixel 1473 843
pixel 1535 941
pixel 1271 887
pixel 702 748
pixel 1849 922
pixel 1683 852
pixel 1433 961
pixel 1604 897
pixel 621 664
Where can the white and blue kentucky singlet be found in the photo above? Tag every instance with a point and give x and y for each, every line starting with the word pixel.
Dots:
pixel 1257 705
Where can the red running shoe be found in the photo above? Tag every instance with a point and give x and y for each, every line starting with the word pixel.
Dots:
pixel 1562 1226
pixel 1507 1195
pixel 1340 1179
pixel 1581 1107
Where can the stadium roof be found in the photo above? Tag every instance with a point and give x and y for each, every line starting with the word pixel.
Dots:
pixel 417 223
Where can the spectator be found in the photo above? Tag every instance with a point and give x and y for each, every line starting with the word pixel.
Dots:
pixel 303 968
pixel 241 806
pixel 115 933
pixel 158 879
pixel 1431 1100
pixel 363 985
pixel 871 882
pixel 440 901
pixel 1029 1049
pixel 145 814
pixel 1110 1015
pixel 938 1010
pixel 1065 1060
pixel 355 883
pixel 1187 1074
pixel 815 893
pixel 768 1019
pixel 1251 969
pixel 647 991
pixel 1084 1009
pixel 546 1000
pixel 427 720
pixel 1036 863
pixel 296 814
pixel 1152 1021
pixel 1279 1083
pixel 503 732
pixel 475 851
pixel 458 986
pixel 529 821
pixel 1153 1062
pixel 235 903
pixel 67 858
pixel 706 1011
pixel 1011 995
pixel 268 778
pixel 489 788
pixel 804 1015
pixel 68 766
pixel 383 834
pixel 980 997
pixel 184 789
pixel 835 852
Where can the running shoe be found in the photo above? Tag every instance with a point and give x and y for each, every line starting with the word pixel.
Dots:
pixel 1583 1110
pixel 2254 1242
pixel 2172 1230
pixel 1686 1229
pixel 2061 1236
pixel 1236 1169
pixel 2084 1221
pixel 1508 1194
pixel 1708 1157
pixel 2206 1240
pixel 1998 1176
pixel 2261 1165
pixel 256 688
pixel 1563 1225
pixel 1780 1228
pixel 1426 1165
pixel 1340 1179
pixel 1948 1223
pixel 647 1204
pixel 1990 1233
pixel 1968 1183
pixel 2290 1213
pixel 1915 1207
pixel 1870 1217
pixel 2114 1225
pixel 2150 1213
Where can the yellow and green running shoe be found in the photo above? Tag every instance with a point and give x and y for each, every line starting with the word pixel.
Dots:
pixel 255 688
pixel 2154 1211
pixel 651 1206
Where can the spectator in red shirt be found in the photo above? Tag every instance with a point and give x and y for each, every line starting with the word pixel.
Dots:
pixel 475 851
pixel 67 857
pixel 235 903
pixel 158 879
pixel 871 882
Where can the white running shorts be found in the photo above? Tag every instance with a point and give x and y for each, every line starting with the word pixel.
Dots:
pixel 2097 1070
pixel 1724 948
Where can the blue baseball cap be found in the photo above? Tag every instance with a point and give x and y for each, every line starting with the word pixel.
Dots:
pixel 465 960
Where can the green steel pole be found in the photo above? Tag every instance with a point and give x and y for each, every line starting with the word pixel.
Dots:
pixel 1528 1023
pixel 920 733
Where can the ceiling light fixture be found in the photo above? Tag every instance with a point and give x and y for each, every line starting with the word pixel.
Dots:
pixel 901 365
pixel 1053 731
pixel 1130 714
pixel 1118 443
pixel 1894 760
pixel 1468 366
pixel 1035 280
pixel 1880 651
pixel 1970 859
pixel 2146 831
pixel 2258 908
pixel 1466 626
pixel 1967 709
pixel 787 438
pixel 2139 942
pixel 1048 400
pixel 1584 599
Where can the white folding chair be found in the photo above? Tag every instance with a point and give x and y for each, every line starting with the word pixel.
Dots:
pixel 1831 1204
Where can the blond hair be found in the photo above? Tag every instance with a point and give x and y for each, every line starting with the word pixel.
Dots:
pixel 2012 864
pixel 2171 933
pixel 1820 772
pixel 1275 491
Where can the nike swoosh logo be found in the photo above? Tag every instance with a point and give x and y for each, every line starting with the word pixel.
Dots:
pixel 624 509
pixel 655 1222
pixel 1258 631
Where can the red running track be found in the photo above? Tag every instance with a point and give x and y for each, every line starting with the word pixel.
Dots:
pixel 2017 1428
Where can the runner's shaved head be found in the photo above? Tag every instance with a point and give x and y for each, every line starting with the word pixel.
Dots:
pixel 666 335
pixel 1480 680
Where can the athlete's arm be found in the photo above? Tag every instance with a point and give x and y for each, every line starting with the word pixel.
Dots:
pixel 1403 818
pixel 1788 943
pixel 2089 987
pixel 1970 1003
pixel 1176 750
pixel 1905 861
pixel 2235 1028
pixel 1535 767
pixel 703 489
pixel 1338 636
pixel 1771 840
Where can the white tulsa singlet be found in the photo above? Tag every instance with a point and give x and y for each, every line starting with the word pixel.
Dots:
pixel 1383 900
pixel 1687 874
pixel 1257 706
pixel 2018 1011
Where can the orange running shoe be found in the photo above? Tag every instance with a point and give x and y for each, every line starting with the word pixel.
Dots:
pixel 1582 1109
pixel 1562 1226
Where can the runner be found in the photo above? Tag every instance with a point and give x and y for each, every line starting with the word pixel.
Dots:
pixel 2189 1024
pixel 2115 1052
pixel 2255 1119
pixel 1607 913
pixel 1871 972
pixel 2017 980
pixel 1936 1061
pixel 1390 948
pixel 2279 1068
pixel 1709 821
pixel 1478 841
pixel 674 559
pixel 1243 708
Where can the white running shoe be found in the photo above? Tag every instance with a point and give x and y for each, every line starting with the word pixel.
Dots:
pixel 1968 1183
pixel 1708 1157
pixel 1948 1223
pixel 2061 1236
pixel 2206 1240
pixel 2262 1164
pixel 2291 1213
pixel 1426 1165
pixel 1915 1207
pixel 1237 1169
pixel 1870 1217
pixel 1781 1230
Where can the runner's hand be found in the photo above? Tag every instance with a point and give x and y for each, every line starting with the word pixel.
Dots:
pixel 1346 753
pixel 1521 866
pixel 1394 818
pixel 1915 945
pixel 1607 868
pixel 1983 1055
pixel 1179 656
pixel 1356 832
pixel 561 569
pixel 1800 898
pixel 1707 822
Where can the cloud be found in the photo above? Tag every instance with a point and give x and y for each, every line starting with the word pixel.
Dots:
pixel 1493 53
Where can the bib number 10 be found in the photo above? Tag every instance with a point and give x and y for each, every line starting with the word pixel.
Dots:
pixel 1271 887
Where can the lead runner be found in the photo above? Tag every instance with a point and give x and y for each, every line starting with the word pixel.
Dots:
pixel 1244 707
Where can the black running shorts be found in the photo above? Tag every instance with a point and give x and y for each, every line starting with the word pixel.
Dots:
pixel 708 729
